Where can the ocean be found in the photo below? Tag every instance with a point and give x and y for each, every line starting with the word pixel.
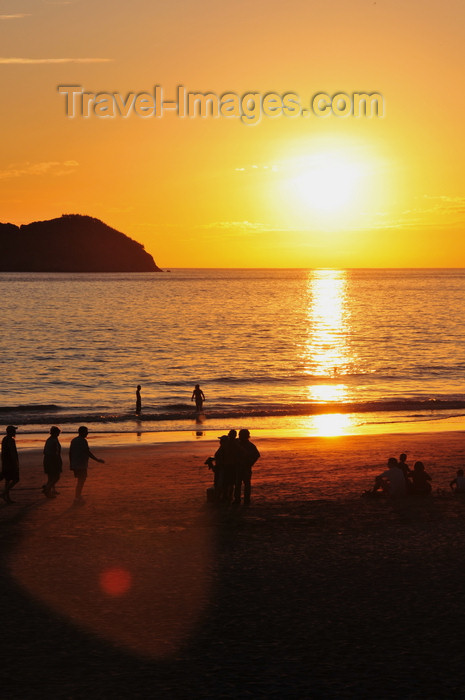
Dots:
pixel 271 349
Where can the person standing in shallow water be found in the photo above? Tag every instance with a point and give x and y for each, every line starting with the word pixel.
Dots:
pixel 138 400
pixel 52 461
pixel 199 397
pixel 79 455
pixel 10 462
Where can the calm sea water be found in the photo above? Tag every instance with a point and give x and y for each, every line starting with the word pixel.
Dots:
pixel 263 344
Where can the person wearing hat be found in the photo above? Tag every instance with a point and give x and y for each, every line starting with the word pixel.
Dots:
pixel 247 456
pixel 52 461
pixel 10 462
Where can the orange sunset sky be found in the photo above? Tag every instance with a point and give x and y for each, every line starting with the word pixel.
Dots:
pixel 285 192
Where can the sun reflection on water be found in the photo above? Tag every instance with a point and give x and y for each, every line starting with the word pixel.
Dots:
pixel 326 354
pixel 327 392
pixel 332 424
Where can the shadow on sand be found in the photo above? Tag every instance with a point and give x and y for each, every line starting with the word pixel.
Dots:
pixel 341 599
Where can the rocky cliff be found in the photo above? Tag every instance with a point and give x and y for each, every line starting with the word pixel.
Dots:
pixel 72 243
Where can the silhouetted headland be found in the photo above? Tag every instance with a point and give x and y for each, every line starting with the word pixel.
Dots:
pixel 71 243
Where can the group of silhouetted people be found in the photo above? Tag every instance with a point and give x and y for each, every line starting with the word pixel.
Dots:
pixel 232 468
pixel 398 480
pixel 79 455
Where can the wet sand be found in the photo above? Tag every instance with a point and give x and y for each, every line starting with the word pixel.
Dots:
pixel 313 591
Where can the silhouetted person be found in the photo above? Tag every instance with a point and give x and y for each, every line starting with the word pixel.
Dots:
pixel 406 470
pixel 79 455
pixel 226 460
pixel 138 400
pixel 458 484
pixel 392 481
pixel 247 456
pixel 199 397
pixel 403 463
pixel 10 462
pixel 211 464
pixel 420 480
pixel 221 468
pixel 233 449
pixel 52 461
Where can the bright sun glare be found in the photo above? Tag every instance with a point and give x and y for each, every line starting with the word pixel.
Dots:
pixel 327 182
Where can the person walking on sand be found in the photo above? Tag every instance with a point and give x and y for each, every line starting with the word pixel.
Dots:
pixel 10 462
pixel 199 398
pixel 79 455
pixel 138 400
pixel 247 456
pixel 52 462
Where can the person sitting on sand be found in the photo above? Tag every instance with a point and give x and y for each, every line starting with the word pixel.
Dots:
pixel 391 481
pixel 458 484
pixel 199 398
pixel 420 480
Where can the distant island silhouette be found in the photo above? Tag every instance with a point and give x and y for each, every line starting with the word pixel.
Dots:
pixel 71 243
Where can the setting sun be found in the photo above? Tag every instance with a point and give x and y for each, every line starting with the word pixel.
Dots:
pixel 327 182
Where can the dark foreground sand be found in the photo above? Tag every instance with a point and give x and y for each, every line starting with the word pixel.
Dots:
pixel 312 592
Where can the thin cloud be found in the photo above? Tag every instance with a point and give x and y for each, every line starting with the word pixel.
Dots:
pixel 255 168
pixel 37 61
pixel 234 225
pixel 239 228
pixel 51 167
pixel 444 204
pixel 432 211
pixel 15 16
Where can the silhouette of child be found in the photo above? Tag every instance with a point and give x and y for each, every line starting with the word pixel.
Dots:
pixel 458 484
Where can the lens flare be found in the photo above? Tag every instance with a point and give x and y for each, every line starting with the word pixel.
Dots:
pixel 115 582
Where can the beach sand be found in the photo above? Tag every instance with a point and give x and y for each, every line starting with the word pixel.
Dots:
pixel 146 591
